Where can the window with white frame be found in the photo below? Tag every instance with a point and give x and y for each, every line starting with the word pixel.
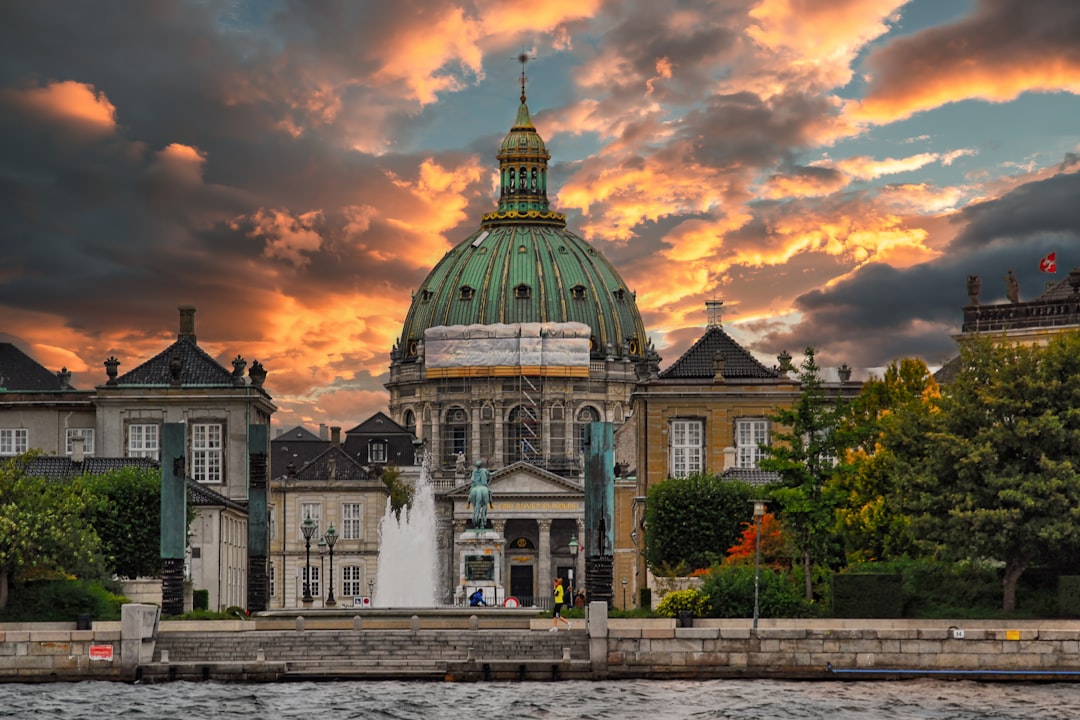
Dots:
pixel 87 435
pixel 686 447
pixel 206 452
pixel 313 511
pixel 377 451
pixel 273 580
pixel 143 440
pixel 351 525
pixel 14 441
pixel 351 584
pixel 750 435
pixel 313 587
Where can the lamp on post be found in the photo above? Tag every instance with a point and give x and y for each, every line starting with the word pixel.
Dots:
pixel 371 589
pixel 624 583
pixel 759 512
pixel 573 545
pixel 316 588
pixel 308 529
pixel 331 537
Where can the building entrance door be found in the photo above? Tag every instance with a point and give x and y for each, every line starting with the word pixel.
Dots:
pixel 521 583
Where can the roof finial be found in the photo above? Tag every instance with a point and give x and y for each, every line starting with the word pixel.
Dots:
pixel 714 312
pixel 524 57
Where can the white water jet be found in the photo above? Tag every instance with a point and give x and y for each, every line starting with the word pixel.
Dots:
pixel 408 562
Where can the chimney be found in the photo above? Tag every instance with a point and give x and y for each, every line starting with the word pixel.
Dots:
pixel 335 436
pixel 323 431
pixel 714 314
pixel 64 376
pixel 78 449
pixel 187 323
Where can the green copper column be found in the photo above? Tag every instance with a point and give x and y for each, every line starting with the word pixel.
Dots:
pixel 599 511
pixel 173 517
pixel 258 582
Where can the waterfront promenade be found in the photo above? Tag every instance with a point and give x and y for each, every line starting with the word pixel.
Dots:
pixel 462 644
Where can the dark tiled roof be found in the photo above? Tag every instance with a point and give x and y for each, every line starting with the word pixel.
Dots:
pixel 298 434
pixel 697 362
pixel 378 424
pixel 61 468
pixel 203 496
pixel 18 371
pixel 297 446
pixel 333 464
pixel 753 476
pixel 948 372
pixel 197 369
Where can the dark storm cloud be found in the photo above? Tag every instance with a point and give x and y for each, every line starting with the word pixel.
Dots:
pixel 1047 208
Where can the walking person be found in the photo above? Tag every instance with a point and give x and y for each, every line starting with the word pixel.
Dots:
pixel 557 615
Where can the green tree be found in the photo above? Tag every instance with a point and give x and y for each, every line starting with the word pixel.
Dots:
pixel 401 492
pixel 126 513
pixel 997 478
pixel 693 520
pixel 805 454
pixel 43 527
pixel 887 418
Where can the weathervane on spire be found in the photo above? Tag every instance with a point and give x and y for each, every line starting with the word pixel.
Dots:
pixel 524 57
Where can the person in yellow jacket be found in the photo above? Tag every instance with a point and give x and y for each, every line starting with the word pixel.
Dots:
pixel 557 616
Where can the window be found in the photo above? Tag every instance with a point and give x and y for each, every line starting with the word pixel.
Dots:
pixel 350 581
pixel 522 438
pixel 578 292
pixel 351 521
pixel 750 435
pixel 455 435
pixel 14 441
pixel 377 451
pixel 585 416
pixel 313 511
pixel 87 434
pixel 143 441
pixel 272 579
pixel 313 580
pixel 467 292
pixel 686 447
pixel 522 292
pixel 206 452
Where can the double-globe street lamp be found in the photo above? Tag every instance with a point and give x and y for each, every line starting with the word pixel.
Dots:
pixel 308 529
pixel 331 538
pixel 759 512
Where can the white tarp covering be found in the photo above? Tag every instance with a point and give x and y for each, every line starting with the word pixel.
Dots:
pixel 529 344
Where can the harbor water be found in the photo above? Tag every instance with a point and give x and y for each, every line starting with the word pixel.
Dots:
pixel 622 700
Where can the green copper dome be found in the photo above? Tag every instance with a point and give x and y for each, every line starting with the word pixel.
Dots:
pixel 524 266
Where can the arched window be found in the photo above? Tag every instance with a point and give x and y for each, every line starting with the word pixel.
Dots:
pixel 513 179
pixel 522 292
pixel 408 421
pixel 585 416
pixel 521 435
pixel 467 292
pixel 578 292
pixel 455 435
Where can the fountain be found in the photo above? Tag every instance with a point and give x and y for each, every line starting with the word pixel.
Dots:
pixel 408 560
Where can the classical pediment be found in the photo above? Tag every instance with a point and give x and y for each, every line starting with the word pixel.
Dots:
pixel 521 480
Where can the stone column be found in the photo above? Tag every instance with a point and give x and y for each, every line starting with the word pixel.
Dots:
pixel 543 569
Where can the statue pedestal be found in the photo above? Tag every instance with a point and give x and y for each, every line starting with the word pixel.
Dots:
pixel 481 555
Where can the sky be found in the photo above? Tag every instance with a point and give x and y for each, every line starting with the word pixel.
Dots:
pixel 831 170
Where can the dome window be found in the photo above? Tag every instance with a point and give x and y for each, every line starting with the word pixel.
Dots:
pixel 522 292
pixel 578 292
pixel 425 296
pixel 467 292
pixel 562 249
pixel 619 294
pixel 522 249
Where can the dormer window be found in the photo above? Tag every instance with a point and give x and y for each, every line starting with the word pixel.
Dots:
pixel 425 295
pixel 467 292
pixel 522 292
pixel 578 292
pixel 619 294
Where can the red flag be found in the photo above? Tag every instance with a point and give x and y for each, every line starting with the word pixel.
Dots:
pixel 1049 263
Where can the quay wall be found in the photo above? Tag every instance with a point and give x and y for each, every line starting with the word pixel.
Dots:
pixel 496 645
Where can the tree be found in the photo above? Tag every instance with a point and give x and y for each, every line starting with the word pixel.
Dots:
pixel 693 520
pixel 877 431
pixel 997 478
pixel 773 549
pixel 43 526
pixel 126 514
pixel 401 492
pixel 805 454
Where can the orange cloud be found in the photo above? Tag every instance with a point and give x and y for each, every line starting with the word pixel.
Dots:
pixel 288 237
pixel 997 53
pixel 69 102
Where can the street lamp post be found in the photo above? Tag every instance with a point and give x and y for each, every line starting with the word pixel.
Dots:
pixel 759 512
pixel 331 538
pixel 573 564
pixel 308 529
pixel 624 582
pixel 316 588
pixel 371 589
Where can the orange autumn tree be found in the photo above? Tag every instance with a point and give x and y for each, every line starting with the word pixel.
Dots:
pixel 773 545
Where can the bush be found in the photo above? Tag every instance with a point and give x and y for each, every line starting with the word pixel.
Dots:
pixel 680 601
pixel 61 601
pixel 730 593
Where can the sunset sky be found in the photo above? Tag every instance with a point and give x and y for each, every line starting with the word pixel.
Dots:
pixel 831 169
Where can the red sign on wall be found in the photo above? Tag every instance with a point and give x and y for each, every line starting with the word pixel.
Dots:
pixel 101 652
